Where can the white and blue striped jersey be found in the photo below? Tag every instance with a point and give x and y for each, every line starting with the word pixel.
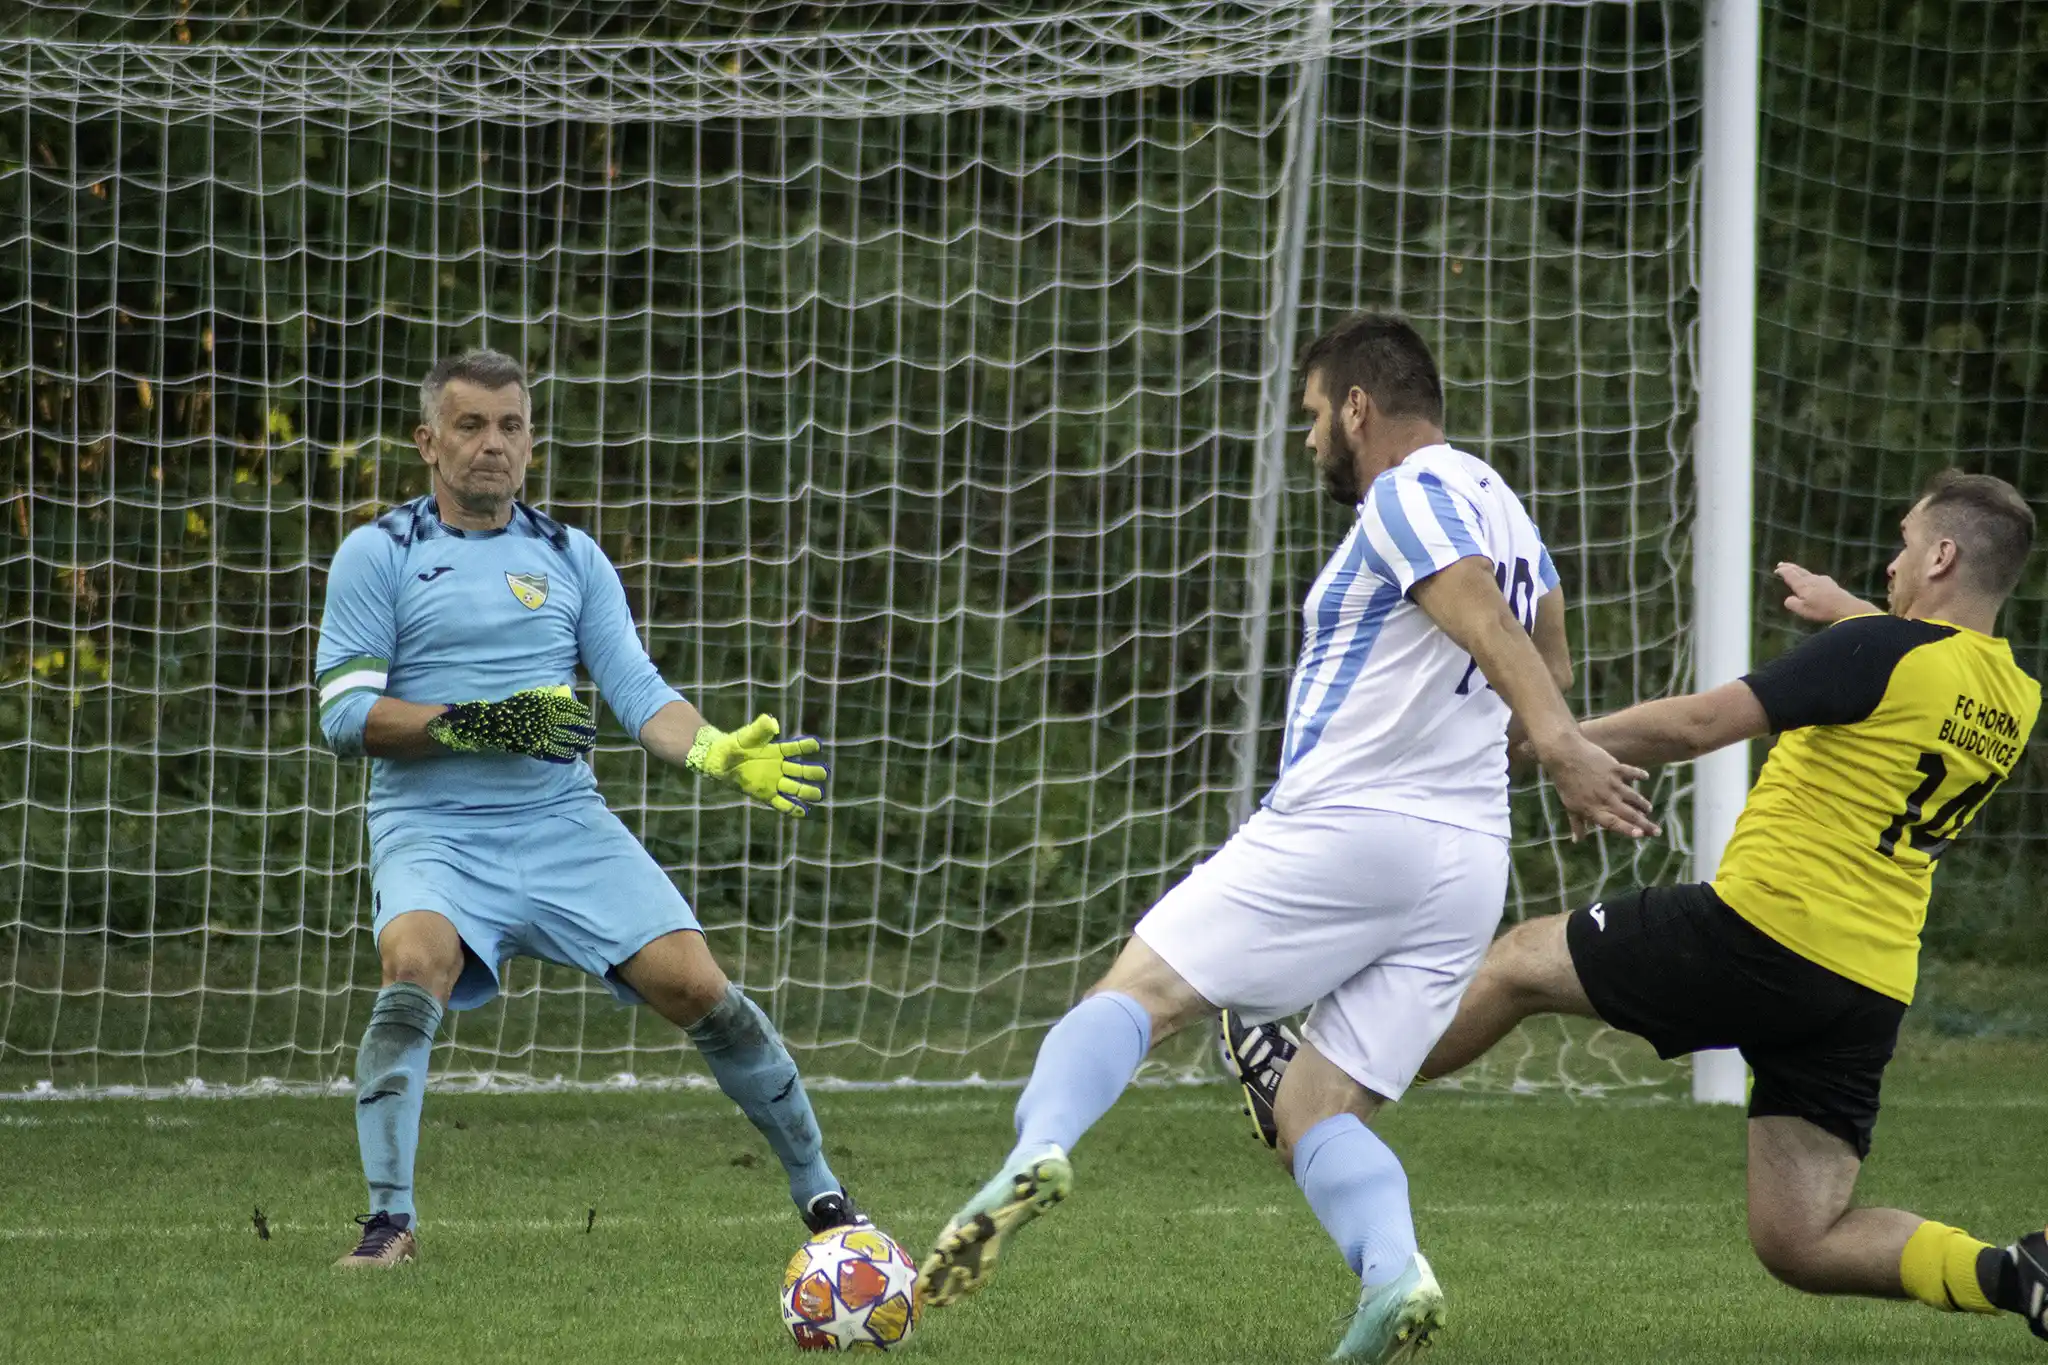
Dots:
pixel 1385 711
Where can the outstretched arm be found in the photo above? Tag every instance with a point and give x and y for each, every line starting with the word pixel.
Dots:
pixel 1679 728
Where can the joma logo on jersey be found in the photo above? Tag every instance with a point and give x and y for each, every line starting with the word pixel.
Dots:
pixel 530 588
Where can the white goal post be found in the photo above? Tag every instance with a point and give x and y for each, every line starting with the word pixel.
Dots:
pixel 930 384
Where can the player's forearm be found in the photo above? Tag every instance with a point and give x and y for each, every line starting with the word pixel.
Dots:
pixel 1522 677
pixel 669 732
pixel 398 729
pixel 1652 733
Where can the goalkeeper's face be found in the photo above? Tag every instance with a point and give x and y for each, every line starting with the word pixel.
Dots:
pixel 478 445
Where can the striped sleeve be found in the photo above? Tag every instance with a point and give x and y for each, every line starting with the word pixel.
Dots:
pixel 358 632
pixel 1417 526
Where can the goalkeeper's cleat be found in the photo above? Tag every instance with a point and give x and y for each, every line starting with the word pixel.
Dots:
pixel 1257 1055
pixel 2030 1259
pixel 1396 1320
pixel 967 1249
pixel 386 1241
pixel 833 1209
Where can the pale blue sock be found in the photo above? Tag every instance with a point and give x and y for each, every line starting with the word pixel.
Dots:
pixel 391 1085
pixel 1356 1186
pixel 1083 1065
pixel 756 1072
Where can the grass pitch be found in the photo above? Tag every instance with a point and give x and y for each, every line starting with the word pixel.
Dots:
pixel 1594 1231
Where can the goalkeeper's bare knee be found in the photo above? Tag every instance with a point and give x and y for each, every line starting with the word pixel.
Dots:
pixel 422 948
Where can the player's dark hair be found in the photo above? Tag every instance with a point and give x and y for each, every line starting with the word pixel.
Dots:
pixel 1382 355
pixel 486 369
pixel 1990 523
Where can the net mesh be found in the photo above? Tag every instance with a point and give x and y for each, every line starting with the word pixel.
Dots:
pixel 917 379
pixel 1903 328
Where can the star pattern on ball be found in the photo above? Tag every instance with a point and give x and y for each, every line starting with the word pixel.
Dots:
pixel 902 1278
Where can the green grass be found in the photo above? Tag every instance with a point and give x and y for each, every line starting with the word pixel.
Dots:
pixel 1583 1232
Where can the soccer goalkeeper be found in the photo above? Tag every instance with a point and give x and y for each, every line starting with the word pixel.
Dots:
pixel 453 627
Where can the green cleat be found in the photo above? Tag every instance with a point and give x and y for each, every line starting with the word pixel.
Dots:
pixel 967 1249
pixel 1396 1320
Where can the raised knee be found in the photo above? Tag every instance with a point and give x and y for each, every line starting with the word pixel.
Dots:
pixel 694 998
pixel 416 965
pixel 1785 1254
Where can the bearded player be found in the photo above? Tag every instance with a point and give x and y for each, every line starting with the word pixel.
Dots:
pixel 454 626
pixel 1803 951
pixel 1417 648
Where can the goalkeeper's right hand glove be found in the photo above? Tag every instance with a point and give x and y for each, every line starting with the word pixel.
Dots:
pixel 547 723
pixel 751 759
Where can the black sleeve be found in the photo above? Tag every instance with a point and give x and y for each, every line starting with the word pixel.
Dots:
pixel 1840 675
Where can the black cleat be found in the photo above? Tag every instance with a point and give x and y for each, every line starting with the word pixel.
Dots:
pixel 833 1209
pixel 2030 1258
pixel 386 1242
pixel 1257 1055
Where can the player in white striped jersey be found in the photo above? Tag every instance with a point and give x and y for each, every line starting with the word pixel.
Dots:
pixel 1370 883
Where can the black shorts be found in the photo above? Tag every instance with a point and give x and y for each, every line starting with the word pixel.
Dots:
pixel 1675 965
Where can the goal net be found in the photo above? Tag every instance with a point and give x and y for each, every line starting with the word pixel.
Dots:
pixel 1903 329
pixel 926 370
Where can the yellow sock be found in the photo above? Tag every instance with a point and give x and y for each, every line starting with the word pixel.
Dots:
pixel 1939 1268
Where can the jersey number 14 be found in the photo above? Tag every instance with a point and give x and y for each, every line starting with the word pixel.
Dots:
pixel 1934 835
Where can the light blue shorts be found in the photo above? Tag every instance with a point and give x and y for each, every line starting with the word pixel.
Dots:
pixel 571 886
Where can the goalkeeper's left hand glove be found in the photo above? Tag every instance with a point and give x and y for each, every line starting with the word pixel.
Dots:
pixel 750 758
pixel 547 723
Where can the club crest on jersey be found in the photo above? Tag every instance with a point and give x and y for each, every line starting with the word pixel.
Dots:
pixel 530 588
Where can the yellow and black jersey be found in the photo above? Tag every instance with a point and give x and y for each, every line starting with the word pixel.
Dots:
pixel 1895 734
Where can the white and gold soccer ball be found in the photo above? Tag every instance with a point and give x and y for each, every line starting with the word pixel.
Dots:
pixel 850 1289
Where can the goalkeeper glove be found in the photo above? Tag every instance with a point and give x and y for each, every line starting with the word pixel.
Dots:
pixel 547 723
pixel 750 758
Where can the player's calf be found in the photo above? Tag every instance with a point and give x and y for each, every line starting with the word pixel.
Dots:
pixel 756 1072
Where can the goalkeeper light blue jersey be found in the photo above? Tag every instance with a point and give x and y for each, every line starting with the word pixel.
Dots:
pixel 423 612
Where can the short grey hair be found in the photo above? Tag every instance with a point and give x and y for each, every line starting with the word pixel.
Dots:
pixel 486 369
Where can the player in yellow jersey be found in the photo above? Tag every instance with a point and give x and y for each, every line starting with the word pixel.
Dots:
pixel 1803 950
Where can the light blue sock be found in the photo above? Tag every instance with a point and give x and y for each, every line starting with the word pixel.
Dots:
pixel 1356 1186
pixel 756 1072
pixel 391 1084
pixel 1083 1065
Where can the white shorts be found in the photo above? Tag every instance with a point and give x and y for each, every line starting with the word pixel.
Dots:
pixel 1378 920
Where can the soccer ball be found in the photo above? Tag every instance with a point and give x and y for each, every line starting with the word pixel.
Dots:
pixel 850 1289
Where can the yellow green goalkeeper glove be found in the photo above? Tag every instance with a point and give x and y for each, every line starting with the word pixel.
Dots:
pixel 750 758
pixel 547 723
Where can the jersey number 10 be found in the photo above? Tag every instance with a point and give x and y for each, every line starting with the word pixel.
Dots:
pixel 1520 590
pixel 1933 836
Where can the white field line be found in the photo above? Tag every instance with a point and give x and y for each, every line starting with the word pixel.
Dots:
pixel 434 1227
pixel 125 1115
pixel 40 1114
